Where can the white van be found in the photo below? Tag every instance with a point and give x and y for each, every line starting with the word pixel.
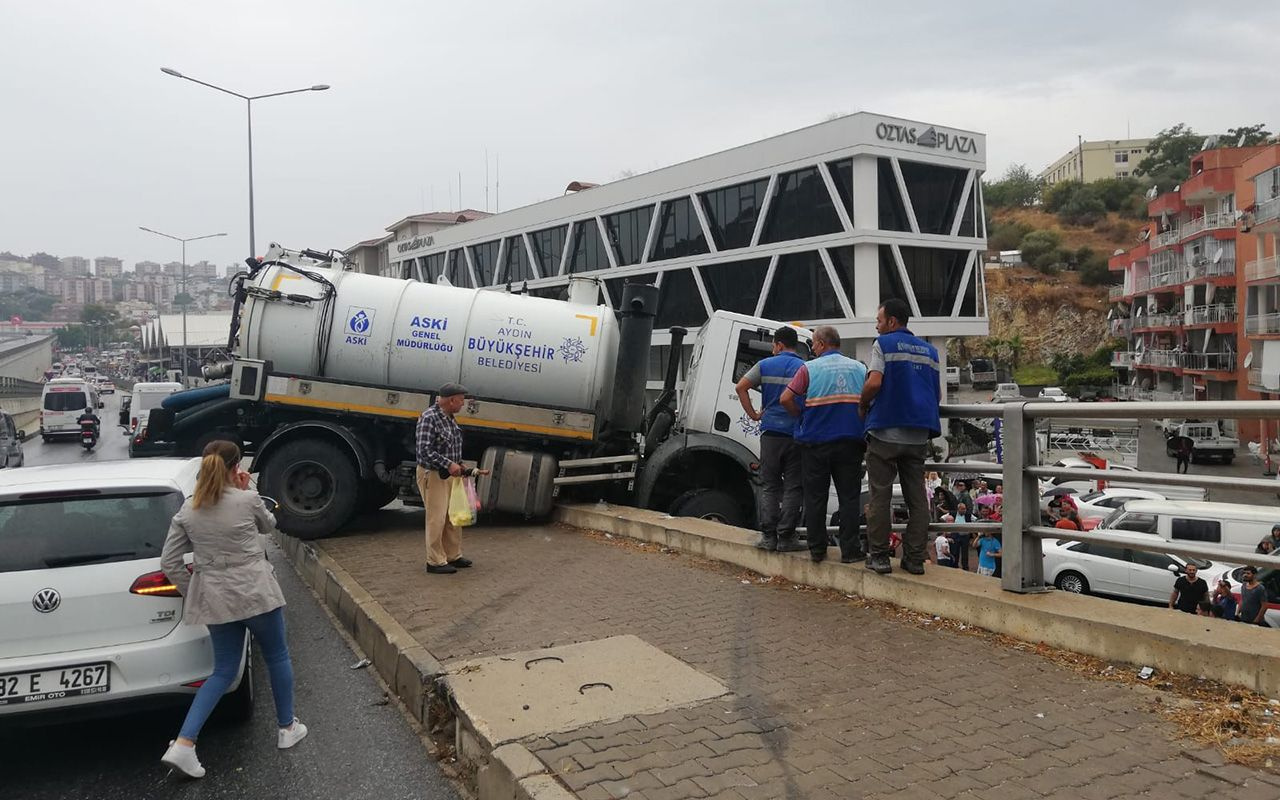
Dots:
pixel 147 396
pixel 1233 527
pixel 61 404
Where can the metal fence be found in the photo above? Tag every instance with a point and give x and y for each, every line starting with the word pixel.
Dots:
pixel 17 387
pixel 1021 529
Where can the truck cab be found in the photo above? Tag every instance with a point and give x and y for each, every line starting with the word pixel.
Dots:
pixel 1207 442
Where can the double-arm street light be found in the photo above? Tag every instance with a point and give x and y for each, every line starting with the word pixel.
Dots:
pixel 183 281
pixel 248 102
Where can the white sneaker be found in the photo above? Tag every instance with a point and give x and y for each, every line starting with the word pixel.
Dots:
pixel 288 737
pixel 183 759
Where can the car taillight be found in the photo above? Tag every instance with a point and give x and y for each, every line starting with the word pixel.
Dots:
pixel 134 423
pixel 154 584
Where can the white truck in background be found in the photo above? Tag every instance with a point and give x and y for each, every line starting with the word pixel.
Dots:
pixel 330 368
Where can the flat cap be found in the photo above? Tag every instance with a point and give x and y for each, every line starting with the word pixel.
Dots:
pixel 452 389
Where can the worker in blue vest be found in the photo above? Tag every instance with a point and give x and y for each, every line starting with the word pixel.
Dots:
pixel 779 456
pixel 824 394
pixel 900 404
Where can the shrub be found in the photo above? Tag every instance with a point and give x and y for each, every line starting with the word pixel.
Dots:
pixel 1084 207
pixel 1038 243
pixel 1094 271
pixel 1007 235
pixel 1035 375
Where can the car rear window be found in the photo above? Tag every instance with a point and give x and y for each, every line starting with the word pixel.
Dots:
pixel 91 528
pixel 65 401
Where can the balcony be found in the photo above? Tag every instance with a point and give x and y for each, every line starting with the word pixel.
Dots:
pixel 1209 315
pixel 1219 220
pixel 1121 327
pixel 1158 280
pixel 1158 320
pixel 1255 379
pixel 1167 238
pixel 1266 211
pixel 1262 269
pixel 1158 358
pixel 1204 268
pixel 1115 293
pixel 1209 362
pixel 1165 396
pixel 1262 324
pixel 1122 358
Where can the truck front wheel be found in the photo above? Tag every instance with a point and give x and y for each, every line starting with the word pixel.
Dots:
pixel 712 504
pixel 316 486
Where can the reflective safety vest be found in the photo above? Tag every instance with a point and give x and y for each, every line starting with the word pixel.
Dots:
pixel 775 373
pixel 911 387
pixel 831 403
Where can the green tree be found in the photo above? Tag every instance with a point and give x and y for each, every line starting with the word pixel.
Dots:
pixel 1007 235
pixel 1018 188
pixel 1094 271
pixel 29 304
pixel 1015 346
pixel 1247 135
pixel 1038 243
pixel 1168 159
pixel 183 299
pixel 1117 193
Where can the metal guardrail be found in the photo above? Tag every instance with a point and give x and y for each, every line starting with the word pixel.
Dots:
pixel 1021 531
pixel 17 387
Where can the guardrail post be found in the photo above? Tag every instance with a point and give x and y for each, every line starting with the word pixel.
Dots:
pixel 1023 567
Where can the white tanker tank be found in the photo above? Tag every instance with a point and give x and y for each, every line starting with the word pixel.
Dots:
pixel 348 326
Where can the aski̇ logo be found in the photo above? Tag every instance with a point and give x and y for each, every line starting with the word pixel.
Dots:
pixel 359 323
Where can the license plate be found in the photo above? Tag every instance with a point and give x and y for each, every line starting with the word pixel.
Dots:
pixel 54 684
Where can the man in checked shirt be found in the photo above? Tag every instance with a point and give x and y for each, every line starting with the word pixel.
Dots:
pixel 439 459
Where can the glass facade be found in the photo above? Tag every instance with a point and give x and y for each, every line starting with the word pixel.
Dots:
pixel 548 247
pixel 516 266
pixel 801 208
pixel 732 213
pixel 890 280
pixel 735 285
pixel 935 276
pixel 801 290
pixel 628 232
pixel 614 285
pixel 679 231
pixel 456 271
pixel 935 194
pixel 587 253
pixel 893 212
pixel 842 262
pixel 842 177
pixel 484 257
pixel 433 267
pixel 679 301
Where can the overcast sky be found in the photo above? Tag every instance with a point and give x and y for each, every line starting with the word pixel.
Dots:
pixel 95 141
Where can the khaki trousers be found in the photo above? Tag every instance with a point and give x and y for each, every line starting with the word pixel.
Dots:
pixel 444 539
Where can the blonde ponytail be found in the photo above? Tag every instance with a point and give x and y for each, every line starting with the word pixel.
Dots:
pixel 216 463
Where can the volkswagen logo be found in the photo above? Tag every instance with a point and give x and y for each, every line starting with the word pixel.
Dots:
pixel 46 600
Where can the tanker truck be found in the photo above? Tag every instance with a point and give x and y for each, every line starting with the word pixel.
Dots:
pixel 328 370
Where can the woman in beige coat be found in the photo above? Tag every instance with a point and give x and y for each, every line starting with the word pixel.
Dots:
pixel 231 588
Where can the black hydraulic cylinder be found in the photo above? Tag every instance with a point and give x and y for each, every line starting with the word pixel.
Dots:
pixel 639 307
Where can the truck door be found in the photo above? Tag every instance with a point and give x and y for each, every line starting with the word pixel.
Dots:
pixel 747 345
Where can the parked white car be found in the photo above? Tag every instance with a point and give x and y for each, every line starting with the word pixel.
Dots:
pixel 87 618
pixel 1056 394
pixel 1099 505
pixel 1118 571
pixel 1006 393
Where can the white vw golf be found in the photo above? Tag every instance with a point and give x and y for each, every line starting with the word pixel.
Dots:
pixel 88 622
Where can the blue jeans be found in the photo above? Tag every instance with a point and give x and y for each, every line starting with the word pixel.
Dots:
pixel 228 646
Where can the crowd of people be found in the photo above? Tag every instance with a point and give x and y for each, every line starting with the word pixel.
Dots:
pixel 1191 595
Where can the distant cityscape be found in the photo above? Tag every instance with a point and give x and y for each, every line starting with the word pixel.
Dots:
pixel 141 293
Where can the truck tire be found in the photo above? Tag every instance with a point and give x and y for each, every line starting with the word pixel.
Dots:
pixel 712 504
pixel 375 494
pixel 315 484
pixel 1228 458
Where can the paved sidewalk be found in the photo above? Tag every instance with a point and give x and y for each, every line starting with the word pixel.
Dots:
pixel 829 699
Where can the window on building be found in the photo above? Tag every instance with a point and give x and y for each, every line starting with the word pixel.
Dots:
pixel 587 252
pixel 1122 174
pixel 548 247
pixel 1135 152
pixel 969 305
pixel 735 286
pixel 433 266
pixel 935 276
pixel 935 194
pixel 484 257
pixel 679 231
pixel 615 286
pixel 559 291
pixel 890 279
pixel 516 266
pixel 801 207
pixel 842 262
pixel 628 232
pixel 842 176
pixel 1122 158
pixel 893 212
pixel 732 213
pixel 969 220
pixel 801 290
pixel 679 301
pixel 457 271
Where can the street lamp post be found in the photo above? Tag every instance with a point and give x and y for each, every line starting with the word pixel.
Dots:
pixel 248 102
pixel 183 281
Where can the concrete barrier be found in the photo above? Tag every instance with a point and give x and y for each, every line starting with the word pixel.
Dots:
pixel 1238 654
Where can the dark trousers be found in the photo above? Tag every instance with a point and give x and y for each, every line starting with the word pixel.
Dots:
pixel 1184 462
pixel 886 461
pixel 782 490
pixel 839 462
pixel 960 550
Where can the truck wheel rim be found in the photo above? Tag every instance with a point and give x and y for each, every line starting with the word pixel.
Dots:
pixel 308 487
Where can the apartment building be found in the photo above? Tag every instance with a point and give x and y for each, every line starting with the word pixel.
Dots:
pixel 108 267
pixel 1179 308
pixel 147 268
pixel 1093 161
pixel 1260 196
pixel 75 266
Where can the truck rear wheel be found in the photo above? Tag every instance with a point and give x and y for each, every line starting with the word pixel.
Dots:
pixel 315 484
pixel 374 494
pixel 712 504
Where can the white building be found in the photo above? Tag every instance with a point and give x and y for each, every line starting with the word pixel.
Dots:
pixel 817 226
